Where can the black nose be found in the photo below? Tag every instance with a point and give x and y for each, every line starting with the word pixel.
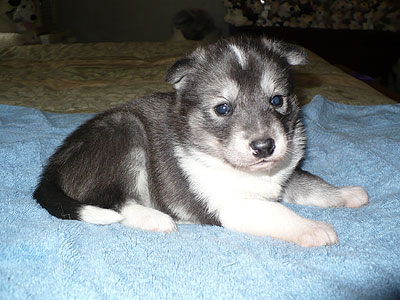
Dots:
pixel 263 147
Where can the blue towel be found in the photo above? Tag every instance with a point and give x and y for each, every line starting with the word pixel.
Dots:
pixel 42 257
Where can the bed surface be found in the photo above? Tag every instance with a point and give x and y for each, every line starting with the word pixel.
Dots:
pixel 93 77
pixel 42 257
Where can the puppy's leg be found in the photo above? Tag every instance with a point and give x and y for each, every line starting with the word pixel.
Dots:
pixel 306 189
pixel 146 218
pixel 265 218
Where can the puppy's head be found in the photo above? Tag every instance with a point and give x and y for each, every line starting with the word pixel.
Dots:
pixel 235 101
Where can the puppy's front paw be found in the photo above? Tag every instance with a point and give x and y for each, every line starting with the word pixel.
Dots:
pixel 354 196
pixel 148 219
pixel 315 233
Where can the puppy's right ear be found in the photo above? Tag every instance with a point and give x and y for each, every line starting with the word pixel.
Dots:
pixel 295 55
pixel 178 74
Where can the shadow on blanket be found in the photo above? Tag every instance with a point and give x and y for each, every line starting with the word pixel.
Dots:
pixel 42 257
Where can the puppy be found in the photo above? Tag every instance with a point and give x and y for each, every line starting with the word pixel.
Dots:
pixel 223 149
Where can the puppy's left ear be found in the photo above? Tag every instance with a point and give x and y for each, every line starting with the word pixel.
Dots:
pixel 295 55
pixel 179 72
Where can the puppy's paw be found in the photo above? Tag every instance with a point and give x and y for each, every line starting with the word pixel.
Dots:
pixel 315 233
pixel 354 196
pixel 148 219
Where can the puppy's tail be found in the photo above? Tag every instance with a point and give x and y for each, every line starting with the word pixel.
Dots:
pixel 54 200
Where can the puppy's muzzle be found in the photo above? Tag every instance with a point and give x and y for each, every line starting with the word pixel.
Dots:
pixel 262 148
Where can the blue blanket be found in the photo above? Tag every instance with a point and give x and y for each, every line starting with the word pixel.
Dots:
pixel 42 257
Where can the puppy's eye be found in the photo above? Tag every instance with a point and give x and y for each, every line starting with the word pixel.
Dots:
pixel 276 101
pixel 223 109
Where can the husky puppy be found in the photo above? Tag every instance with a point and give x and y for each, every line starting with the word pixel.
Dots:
pixel 223 149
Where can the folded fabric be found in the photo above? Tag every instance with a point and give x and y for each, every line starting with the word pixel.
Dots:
pixel 42 257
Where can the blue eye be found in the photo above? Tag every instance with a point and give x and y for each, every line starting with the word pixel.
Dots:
pixel 277 101
pixel 223 109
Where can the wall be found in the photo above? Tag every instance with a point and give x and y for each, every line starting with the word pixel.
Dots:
pixel 128 20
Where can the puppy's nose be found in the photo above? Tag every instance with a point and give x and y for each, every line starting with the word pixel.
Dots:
pixel 262 148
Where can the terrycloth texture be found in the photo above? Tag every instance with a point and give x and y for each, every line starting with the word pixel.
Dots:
pixel 42 257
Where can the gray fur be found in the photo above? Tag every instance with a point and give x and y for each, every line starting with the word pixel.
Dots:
pixel 143 152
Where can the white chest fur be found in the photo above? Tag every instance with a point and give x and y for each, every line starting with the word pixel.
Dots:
pixel 220 184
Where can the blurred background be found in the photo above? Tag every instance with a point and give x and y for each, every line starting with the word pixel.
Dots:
pixel 362 37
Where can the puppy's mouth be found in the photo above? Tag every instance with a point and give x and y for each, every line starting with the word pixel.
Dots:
pixel 261 155
pixel 263 164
